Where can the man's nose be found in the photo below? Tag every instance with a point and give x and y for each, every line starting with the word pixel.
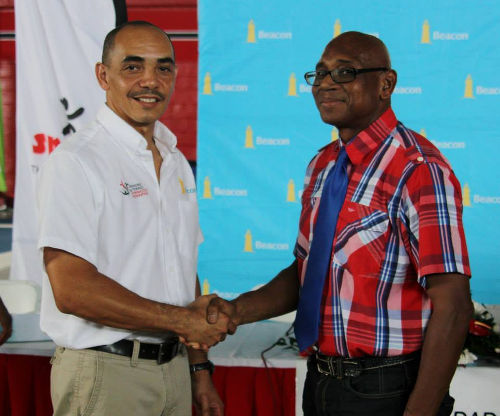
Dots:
pixel 149 78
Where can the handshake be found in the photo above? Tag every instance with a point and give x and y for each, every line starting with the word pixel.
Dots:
pixel 209 319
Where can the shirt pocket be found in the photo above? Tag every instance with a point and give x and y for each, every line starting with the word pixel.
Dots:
pixel 362 236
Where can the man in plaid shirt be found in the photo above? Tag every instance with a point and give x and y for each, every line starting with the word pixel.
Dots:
pixel 396 301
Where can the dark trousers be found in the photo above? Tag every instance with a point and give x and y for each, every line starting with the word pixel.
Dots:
pixel 377 392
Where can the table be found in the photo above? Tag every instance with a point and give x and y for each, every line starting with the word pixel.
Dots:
pixel 245 385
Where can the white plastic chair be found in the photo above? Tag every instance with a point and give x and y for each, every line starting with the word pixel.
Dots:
pixel 20 296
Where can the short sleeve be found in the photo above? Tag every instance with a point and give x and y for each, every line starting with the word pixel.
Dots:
pixel 67 213
pixel 432 206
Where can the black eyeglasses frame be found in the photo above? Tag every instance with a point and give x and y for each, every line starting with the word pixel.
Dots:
pixel 334 73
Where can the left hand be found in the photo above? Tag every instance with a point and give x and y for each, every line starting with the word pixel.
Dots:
pixel 206 400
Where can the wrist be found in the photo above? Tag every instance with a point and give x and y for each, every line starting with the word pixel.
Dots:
pixel 237 317
pixel 206 367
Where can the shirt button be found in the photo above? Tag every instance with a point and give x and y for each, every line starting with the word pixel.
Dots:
pixel 420 159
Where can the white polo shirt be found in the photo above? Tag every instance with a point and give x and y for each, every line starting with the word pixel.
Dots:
pixel 99 198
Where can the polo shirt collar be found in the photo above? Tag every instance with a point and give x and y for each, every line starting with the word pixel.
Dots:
pixel 370 138
pixel 165 140
pixel 131 138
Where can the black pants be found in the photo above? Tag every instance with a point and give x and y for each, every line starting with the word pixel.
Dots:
pixel 377 392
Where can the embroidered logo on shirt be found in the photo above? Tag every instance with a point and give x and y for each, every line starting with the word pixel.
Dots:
pixel 185 190
pixel 136 190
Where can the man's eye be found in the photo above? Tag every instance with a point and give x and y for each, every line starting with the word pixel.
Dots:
pixel 165 69
pixel 321 74
pixel 344 71
pixel 132 67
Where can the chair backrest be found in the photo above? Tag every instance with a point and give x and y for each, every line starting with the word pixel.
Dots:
pixel 20 296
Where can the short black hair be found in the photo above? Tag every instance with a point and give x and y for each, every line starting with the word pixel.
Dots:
pixel 109 40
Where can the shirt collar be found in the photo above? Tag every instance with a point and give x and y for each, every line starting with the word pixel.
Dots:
pixel 165 140
pixel 370 138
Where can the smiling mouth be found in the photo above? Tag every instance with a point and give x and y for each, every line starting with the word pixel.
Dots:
pixel 147 99
pixel 330 102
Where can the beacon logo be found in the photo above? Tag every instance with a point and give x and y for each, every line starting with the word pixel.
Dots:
pixel 291 194
pixel 205 287
pixel 425 38
pixel 335 134
pixel 337 28
pixel 250 142
pixel 477 199
pixel 469 87
pixel 444 145
pixel 221 192
pixel 293 91
pixel 249 246
pixel 471 92
pixel 253 34
pixel 218 87
pixel 466 195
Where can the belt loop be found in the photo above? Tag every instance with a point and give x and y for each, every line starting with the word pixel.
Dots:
pixel 340 369
pixel 134 359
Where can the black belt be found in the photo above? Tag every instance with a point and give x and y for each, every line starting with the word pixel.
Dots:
pixel 352 367
pixel 162 353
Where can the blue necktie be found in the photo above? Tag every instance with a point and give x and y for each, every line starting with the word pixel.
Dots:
pixel 332 199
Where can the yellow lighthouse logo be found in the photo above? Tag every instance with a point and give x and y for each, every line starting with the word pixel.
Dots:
pixel 337 28
pixel 423 133
pixel 207 84
pixel 426 32
pixel 466 195
pixel 248 242
pixel 207 191
pixel 251 32
pixel 249 138
pixel 183 188
pixel 206 287
pixel 290 194
pixel 292 85
pixel 335 134
pixel 468 87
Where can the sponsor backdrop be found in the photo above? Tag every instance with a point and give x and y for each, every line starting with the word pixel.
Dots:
pixel 258 125
pixel 58 43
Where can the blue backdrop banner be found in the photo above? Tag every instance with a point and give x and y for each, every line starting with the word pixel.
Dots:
pixel 258 126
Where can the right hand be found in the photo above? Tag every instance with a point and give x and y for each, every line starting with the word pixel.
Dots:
pixel 198 332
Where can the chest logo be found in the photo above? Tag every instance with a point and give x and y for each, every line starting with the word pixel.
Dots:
pixel 185 190
pixel 136 190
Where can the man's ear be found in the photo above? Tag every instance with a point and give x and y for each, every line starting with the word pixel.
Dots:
pixel 389 80
pixel 101 72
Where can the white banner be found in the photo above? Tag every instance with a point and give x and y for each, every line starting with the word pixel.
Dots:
pixel 58 43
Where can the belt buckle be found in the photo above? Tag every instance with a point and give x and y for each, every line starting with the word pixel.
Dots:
pixel 163 357
pixel 320 370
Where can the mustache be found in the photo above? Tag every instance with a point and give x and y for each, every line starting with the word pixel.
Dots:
pixel 147 91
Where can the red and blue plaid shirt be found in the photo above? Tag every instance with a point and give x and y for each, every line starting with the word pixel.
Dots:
pixel 401 221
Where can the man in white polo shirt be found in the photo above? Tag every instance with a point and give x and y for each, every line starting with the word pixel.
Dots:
pixel 119 234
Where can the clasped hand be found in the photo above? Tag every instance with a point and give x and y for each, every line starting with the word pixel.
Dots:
pixel 211 319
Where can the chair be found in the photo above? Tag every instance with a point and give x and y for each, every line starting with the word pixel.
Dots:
pixel 20 296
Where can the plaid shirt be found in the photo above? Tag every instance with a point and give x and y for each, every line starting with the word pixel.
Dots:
pixel 401 220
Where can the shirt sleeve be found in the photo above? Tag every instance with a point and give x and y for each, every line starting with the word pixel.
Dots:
pixel 432 207
pixel 67 213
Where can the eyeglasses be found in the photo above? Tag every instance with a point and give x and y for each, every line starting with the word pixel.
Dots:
pixel 339 75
